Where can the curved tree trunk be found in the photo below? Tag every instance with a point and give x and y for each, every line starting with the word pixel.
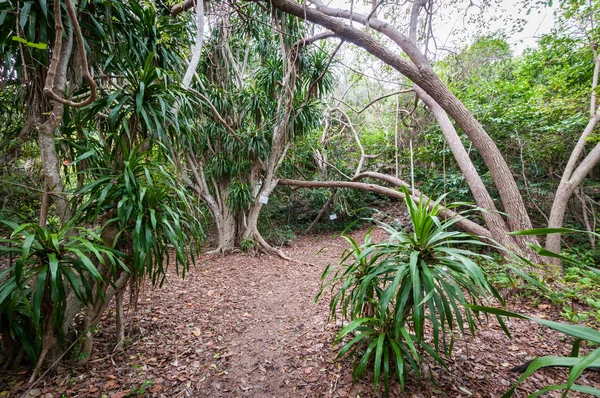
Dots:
pixel 420 72
pixel 464 224
pixel 574 175
pixel 493 219
pixel 564 193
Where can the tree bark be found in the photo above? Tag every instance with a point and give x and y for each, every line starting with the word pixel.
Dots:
pixel 493 220
pixel 53 185
pixel 563 195
pixel 227 229
pixel 120 320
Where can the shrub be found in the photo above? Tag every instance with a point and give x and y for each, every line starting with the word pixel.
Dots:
pixel 48 265
pixel 390 290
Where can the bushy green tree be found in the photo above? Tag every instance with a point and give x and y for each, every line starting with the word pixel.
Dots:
pixel 259 91
pixel 106 146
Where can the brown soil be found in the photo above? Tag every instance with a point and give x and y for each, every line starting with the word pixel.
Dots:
pixel 248 326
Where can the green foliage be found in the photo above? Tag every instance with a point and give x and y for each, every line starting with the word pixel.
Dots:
pixel 581 289
pixel 239 197
pixel 279 235
pixel 115 157
pixel 142 388
pixel 33 289
pixel 577 363
pixel 154 214
pixel 248 245
pixel 390 290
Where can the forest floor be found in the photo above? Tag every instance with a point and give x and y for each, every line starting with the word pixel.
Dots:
pixel 248 326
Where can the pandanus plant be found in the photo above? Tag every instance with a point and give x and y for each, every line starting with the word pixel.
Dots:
pixel 47 266
pixel 389 291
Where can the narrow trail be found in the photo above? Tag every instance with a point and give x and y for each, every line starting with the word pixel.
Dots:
pixel 241 326
pixel 280 346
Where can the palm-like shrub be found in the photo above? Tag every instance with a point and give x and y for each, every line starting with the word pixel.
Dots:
pixel 47 265
pixel 135 193
pixel 392 291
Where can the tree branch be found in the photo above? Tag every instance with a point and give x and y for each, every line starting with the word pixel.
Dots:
pixel 49 86
pixel 464 224
pixel 181 7
pixel 217 114
pixel 409 90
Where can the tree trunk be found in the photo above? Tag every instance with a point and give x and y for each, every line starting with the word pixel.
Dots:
pixel 565 190
pixel 120 320
pixel 464 224
pixel 53 185
pixel 228 229
pixel 493 220
pixel 557 215
pixel 251 229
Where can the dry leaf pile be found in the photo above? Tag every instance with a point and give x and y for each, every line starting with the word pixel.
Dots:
pixel 247 326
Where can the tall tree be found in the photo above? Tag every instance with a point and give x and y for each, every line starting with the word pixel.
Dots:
pixel 260 88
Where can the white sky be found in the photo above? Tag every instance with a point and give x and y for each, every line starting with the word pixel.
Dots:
pixel 453 28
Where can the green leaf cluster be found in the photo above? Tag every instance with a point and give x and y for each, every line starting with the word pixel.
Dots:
pixel 389 291
pixel 48 265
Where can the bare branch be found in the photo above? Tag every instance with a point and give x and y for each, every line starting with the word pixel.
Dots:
pixel 310 40
pixel 374 101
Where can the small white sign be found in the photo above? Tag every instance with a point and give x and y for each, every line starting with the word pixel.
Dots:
pixel 263 199
pixel 332 216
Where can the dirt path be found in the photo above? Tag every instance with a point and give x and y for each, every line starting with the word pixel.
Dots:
pixel 248 326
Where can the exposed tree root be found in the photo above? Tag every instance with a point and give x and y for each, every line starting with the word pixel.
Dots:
pixel 48 342
pixel 221 250
pixel 265 247
pixel 38 365
pixel 120 320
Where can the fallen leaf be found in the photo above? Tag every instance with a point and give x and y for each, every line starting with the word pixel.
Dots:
pixel 111 385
